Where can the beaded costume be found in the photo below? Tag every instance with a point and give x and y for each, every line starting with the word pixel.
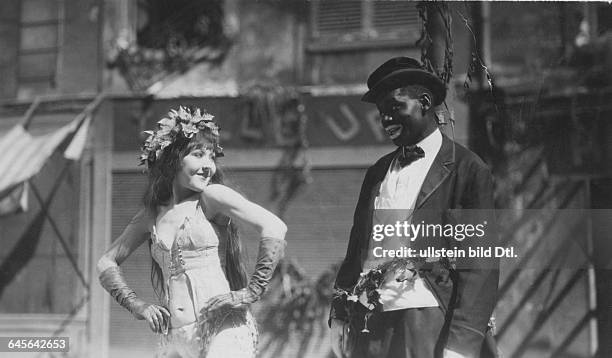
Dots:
pixel 193 266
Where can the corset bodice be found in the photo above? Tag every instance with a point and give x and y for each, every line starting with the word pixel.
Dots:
pixel 191 267
pixel 196 245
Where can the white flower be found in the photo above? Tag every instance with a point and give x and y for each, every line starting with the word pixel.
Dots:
pixel 189 129
pixel 353 298
pixel 183 114
pixel 166 123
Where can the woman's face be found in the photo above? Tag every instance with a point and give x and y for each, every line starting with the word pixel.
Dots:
pixel 197 168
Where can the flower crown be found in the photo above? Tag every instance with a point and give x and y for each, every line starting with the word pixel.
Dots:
pixel 183 122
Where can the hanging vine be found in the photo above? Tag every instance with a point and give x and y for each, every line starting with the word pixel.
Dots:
pixel 476 62
pixel 293 316
pixel 427 12
pixel 277 115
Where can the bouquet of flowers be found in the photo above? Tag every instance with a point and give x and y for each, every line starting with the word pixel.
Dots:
pixel 369 284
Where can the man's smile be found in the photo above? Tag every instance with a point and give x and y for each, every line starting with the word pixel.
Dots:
pixel 394 130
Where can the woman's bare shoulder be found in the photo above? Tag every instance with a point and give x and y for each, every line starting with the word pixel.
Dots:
pixel 143 219
pixel 219 192
pixel 218 196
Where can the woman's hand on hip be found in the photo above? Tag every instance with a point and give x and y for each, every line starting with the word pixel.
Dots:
pixel 156 316
pixel 226 301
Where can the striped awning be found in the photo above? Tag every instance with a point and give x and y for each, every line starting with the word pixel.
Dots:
pixel 24 155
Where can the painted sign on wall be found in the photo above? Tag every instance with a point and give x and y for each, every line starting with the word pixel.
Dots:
pixel 331 121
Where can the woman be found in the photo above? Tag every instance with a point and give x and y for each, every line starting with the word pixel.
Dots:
pixel 197 270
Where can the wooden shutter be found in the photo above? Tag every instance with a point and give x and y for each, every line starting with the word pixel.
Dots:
pixel 400 16
pixel 347 21
pixel 9 43
pixel 337 17
pixel 38 46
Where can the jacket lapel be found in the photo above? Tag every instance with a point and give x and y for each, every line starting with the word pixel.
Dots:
pixel 439 171
pixel 379 176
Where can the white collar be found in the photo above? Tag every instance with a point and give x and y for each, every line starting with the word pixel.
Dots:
pixel 431 144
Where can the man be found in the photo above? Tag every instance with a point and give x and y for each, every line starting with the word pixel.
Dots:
pixel 444 309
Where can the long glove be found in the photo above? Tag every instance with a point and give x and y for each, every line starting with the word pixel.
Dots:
pixel 113 281
pixel 271 250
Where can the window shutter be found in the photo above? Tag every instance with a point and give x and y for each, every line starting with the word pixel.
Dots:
pixel 396 16
pixel 348 23
pixel 38 46
pixel 338 17
pixel 9 43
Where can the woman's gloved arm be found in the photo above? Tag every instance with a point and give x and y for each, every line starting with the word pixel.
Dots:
pixel 113 281
pixel 271 250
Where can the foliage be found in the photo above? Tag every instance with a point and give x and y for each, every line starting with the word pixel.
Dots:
pixel 293 315
pixel 433 14
pixel 366 292
pixel 281 115
pixel 183 123
pixel 428 12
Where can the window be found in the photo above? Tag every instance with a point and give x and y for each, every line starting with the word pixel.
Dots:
pixel 351 24
pixel 172 35
pixel 180 24
pixel 38 46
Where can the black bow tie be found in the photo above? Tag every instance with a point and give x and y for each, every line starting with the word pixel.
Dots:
pixel 409 154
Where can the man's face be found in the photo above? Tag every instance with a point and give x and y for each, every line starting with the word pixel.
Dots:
pixel 402 116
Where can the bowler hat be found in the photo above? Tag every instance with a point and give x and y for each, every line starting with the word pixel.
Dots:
pixel 403 71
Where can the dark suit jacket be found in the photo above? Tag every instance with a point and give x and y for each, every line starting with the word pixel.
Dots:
pixel 457 179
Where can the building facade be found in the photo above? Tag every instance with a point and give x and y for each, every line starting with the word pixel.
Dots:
pixel 266 70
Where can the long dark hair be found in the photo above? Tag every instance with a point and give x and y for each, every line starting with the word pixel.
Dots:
pixel 161 176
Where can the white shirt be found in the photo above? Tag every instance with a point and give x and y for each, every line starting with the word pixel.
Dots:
pixel 399 190
pixel 401 186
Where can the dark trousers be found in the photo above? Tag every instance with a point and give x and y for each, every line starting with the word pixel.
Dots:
pixel 409 333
